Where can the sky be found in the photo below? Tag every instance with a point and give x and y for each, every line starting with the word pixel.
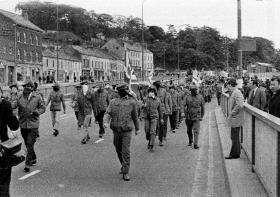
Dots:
pixel 259 17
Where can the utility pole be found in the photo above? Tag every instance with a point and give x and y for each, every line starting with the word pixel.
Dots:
pixel 239 24
pixel 178 57
pixel 143 70
pixel 57 61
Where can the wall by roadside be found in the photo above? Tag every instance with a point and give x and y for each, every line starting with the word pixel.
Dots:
pixel 260 139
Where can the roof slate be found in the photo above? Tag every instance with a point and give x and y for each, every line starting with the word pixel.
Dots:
pixel 19 20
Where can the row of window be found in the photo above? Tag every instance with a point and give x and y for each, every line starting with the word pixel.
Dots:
pixel 29 56
pixel 62 64
pixel 137 54
pixel 7 50
pixel 31 39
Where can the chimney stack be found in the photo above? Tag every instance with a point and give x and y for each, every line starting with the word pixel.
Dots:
pixel 25 15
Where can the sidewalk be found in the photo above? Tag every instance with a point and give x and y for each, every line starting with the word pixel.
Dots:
pixel 242 181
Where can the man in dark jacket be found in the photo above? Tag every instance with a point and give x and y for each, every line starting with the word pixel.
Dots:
pixel 30 107
pixel 257 97
pixel 274 104
pixel 6 119
pixel 100 103
pixel 123 115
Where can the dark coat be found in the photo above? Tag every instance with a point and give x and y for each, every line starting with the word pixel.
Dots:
pixel 193 107
pixel 100 102
pixel 258 100
pixel 152 108
pixel 123 114
pixel 6 119
pixel 274 104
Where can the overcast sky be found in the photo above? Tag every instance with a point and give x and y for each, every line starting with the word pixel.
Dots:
pixel 259 18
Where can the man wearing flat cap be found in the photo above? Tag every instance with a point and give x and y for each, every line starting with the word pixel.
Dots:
pixel 122 115
pixel 30 107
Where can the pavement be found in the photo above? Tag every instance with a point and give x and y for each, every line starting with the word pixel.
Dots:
pixel 66 168
pixel 242 181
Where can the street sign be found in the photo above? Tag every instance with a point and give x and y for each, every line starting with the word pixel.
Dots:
pixel 248 45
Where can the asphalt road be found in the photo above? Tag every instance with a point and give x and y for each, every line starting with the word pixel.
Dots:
pixel 66 168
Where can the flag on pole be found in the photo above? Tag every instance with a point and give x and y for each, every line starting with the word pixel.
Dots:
pixel 151 74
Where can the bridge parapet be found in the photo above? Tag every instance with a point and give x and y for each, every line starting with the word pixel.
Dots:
pixel 260 138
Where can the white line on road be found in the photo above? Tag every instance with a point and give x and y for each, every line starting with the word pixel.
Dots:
pixel 210 184
pixel 100 140
pixel 29 175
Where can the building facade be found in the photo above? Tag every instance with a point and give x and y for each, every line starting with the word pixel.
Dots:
pixel 69 66
pixel 21 49
pixel 131 53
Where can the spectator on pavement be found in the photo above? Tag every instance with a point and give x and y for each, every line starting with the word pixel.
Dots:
pixel 235 118
pixel 257 97
pixel 30 107
pixel 7 118
pixel 274 104
pixel 56 98
pixel 13 98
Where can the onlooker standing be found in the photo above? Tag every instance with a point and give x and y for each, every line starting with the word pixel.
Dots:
pixel 40 80
pixel 257 97
pixel 7 118
pixel 13 98
pixel 274 104
pixel 123 115
pixel 100 103
pixel 219 90
pixel 236 118
pixel 30 107
pixel 56 98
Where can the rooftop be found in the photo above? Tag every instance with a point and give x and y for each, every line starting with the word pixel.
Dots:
pixel 19 20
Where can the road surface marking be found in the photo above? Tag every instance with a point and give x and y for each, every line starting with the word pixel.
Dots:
pixel 29 175
pixel 210 186
pixel 100 140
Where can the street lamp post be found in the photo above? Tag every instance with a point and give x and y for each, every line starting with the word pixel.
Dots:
pixel 178 49
pixel 57 33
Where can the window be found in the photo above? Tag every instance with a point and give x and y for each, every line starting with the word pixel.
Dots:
pixel 18 54
pixel 37 57
pixel 31 39
pixel 24 37
pixel 18 36
pixel 11 50
pixel 31 56
pixel 36 40
pixel 4 49
pixel 24 55
pixel 47 62
pixel 53 63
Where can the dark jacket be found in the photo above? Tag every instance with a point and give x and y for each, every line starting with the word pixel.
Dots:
pixel 101 101
pixel 193 107
pixel 123 114
pixel 85 103
pixel 152 108
pixel 56 99
pixel 274 104
pixel 26 109
pixel 6 119
pixel 258 99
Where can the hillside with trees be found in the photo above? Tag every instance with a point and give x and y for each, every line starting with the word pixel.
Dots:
pixel 199 47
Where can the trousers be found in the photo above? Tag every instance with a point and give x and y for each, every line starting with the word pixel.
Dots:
pixel 86 123
pixel 5 180
pixel 122 141
pixel 54 118
pixel 150 130
pixel 236 147
pixel 99 118
pixel 173 119
pixel 29 136
pixel 193 127
pixel 164 125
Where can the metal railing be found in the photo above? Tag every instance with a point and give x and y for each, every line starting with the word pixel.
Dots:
pixel 261 142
